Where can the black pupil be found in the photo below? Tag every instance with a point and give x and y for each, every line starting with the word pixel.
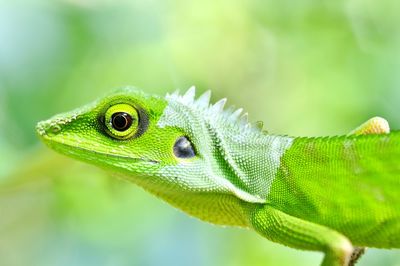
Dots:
pixel 121 121
pixel 183 148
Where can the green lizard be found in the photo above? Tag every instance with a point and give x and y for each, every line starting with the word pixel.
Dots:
pixel 336 195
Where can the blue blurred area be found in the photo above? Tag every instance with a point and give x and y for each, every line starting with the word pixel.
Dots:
pixel 304 67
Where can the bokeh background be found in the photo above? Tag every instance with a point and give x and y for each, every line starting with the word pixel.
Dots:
pixel 303 67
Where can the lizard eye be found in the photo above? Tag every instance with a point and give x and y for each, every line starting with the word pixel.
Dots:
pixel 121 121
pixel 183 148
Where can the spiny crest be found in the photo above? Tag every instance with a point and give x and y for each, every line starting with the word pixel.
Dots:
pixel 215 112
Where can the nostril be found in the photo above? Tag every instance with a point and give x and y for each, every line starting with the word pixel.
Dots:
pixel 48 128
pixel 55 128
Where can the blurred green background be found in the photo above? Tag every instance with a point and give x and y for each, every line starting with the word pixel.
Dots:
pixel 303 67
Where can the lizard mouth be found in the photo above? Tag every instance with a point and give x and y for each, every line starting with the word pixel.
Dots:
pixel 69 147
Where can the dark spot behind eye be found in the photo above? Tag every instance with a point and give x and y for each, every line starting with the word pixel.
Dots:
pixel 121 121
pixel 183 148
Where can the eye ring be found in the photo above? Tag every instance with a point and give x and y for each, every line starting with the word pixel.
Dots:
pixel 121 121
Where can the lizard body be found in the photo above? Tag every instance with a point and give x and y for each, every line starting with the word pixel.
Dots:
pixel 324 194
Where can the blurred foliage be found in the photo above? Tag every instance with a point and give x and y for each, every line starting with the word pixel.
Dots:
pixel 304 67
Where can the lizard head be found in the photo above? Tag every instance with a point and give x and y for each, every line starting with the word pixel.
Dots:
pixel 118 132
pixel 170 146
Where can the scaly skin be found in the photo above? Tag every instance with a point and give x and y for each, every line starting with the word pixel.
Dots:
pixel 321 194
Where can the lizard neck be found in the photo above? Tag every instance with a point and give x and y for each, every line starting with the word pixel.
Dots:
pixel 250 158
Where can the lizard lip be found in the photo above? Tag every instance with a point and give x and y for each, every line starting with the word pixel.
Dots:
pixel 109 155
